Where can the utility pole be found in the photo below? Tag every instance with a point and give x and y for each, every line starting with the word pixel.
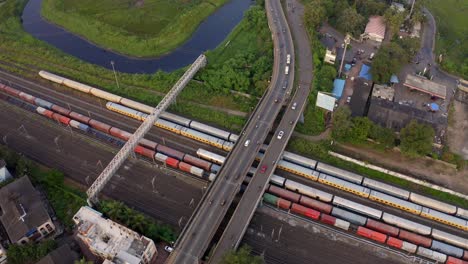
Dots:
pixel 411 10
pixel 115 75
pixel 346 42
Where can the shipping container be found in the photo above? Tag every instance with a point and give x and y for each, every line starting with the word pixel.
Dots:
pixel 61 110
pixel 328 219
pixel 314 204
pixel 197 162
pixel 291 196
pixel 81 118
pixel 348 216
pixel 406 224
pixel 170 152
pixel 447 249
pixel 304 211
pixel 99 125
pixel 172 162
pixel 430 254
pixel 373 235
pixel 415 238
pixel 383 228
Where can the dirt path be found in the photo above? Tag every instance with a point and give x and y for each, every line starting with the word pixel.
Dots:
pixel 457 136
pixel 427 169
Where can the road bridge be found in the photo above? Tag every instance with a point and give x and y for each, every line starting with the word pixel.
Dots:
pixel 239 221
pixel 204 223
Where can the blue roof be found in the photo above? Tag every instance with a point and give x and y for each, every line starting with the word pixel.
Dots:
pixel 434 107
pixel 347 67
pixel 365 72
pixel 338 87
pixel 394 79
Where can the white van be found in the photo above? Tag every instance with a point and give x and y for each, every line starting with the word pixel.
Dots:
pixel 288 59
pixel 286 70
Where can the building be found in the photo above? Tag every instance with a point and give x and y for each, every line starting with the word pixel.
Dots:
pixel 338 87
pixel 375 29
pixel 23 214
pixel 359 103
pixel 4 173
pixel 112 241
pixel 61 255
pixel 426 86
pixel 383 92
pixel 330 57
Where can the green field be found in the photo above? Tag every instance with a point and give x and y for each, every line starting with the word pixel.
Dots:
pixel 140 28
pixel 452 38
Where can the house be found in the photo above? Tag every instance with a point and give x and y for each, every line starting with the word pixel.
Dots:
pixel 23 214
pixel 4 173
pixel 330 57
pixel 375 29
pixel 111 241
pixel 61 255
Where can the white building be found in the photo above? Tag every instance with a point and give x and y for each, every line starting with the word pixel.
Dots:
pixel 111 241
pixel 4 173
pixel 329 57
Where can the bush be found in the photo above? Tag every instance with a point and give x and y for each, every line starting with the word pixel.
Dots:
pixel 416 139
pixel 242 256
pixel 29 253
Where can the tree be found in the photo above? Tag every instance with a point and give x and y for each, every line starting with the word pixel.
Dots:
pixel 393 20
pixel 350 21
pixel 389 60
pixel 360 129
pixel 83 261
pixel 314 14
pixel 370 7
pixel 29 253
pixel 242 256
pixel 341 124
pixel 324 78
pixel 382 135
pixel 416 139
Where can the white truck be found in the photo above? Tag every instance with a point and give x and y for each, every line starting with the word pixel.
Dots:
pixel 286 70
pixel 288 59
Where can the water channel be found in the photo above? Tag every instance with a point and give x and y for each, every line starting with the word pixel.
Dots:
pixel 209 34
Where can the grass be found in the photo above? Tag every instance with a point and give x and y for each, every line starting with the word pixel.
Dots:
pixel 319 151
pixel 140 28
pixel 22 54
pixel 452 36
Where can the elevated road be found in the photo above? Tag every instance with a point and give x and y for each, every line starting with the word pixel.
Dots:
pixel 243 214
pixel 201 228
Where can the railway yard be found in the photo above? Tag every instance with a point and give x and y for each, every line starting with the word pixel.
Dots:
pixel 151 188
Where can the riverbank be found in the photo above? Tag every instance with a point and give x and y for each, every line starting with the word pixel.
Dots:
pixel 137 28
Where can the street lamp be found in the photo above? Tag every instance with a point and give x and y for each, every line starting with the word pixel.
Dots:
pixel 115 75
pixel 346 42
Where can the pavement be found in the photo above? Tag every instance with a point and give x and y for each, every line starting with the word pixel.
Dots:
pixel 284 238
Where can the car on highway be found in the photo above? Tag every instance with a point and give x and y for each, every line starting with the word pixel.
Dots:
pixel 168 249
pixel 280 134
pixel 247 142
pixel 263 169
pixel 293 107
pixel 348 99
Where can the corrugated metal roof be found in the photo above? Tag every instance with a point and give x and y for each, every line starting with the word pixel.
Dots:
pixel 365 72
pixel 426 86
pixel 326 101
pixel 338 87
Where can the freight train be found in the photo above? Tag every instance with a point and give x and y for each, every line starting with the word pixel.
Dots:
pixel 146 148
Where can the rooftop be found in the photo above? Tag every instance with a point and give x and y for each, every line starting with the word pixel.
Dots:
pixel 383 92
pixel 61 255
pixel 365 72
pixel 426 86
pixel 110 238
pixel 338 86
pixel 360 97
pixel 21 207
pixel 375 26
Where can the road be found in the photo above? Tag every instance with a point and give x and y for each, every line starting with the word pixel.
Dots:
pixel 197 235
pixel 238 223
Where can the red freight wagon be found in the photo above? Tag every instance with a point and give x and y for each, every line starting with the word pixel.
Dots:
pixel 383 228
pixel 185 166
pixel 465 255
pixel 328 219
pixel 11 91
pixel 291 196
pixel 414 238
pixel 99 126
pixel 148 144
pixel 170 152
pixel 144 152
pixel 79 117
pixel 302 210
pixel 172 162
pixel 197 162
pixel 452 260
pixel 395 242
pixel 283 204
pixel 62 119
pixel 61 110
pixel 27 97
pixel 376 236
pixel 119 133
pixel 314 204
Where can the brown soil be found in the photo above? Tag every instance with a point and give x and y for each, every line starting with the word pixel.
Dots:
pixel 457 134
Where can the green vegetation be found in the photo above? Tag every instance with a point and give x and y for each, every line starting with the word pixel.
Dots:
pixel 319 151
pixel 393 20
pixel 119 212
pixel 416 139
pixel 64 200
pixel 452 32
pixel 22 54
pixel 391 58
pixel 138 28
pixel 30 253
pixel 241 256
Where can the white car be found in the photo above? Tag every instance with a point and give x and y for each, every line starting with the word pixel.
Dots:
pixel 247 142
pixel 293 107
pixel 280 134
pixel 168 249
